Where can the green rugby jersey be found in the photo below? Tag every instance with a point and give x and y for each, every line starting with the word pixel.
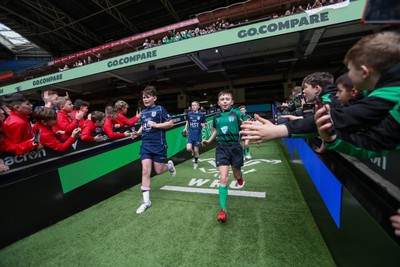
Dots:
pixel 227 125
pixel 246 117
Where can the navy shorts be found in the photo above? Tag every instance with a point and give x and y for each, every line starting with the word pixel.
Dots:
pixel 229 155
pixel 194 142
pixel 157 153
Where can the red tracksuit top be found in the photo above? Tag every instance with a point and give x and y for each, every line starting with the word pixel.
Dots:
pixel 49 139
pixel 8 146
pixel 87 131
pixel 125 121
pixel 65 123
pixel 18 128
pixel 108 129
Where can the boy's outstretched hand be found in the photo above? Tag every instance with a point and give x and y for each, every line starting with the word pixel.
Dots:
pixel 395 219
pixel 262 130
pixel 323 121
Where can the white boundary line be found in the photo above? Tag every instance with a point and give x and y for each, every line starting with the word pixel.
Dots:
pixel 214 191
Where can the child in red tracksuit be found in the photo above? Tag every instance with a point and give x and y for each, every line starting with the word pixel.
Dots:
pixel 122 108
pixel 112 123
pixel 65 125
pixel 92 126
pixel 17 124
pixel 46 118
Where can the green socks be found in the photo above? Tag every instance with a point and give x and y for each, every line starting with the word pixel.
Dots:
pixel 223 196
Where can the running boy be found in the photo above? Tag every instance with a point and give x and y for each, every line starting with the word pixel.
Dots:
pixel 246 148
pixel 229 151
pixel 195 121
pixel 155 120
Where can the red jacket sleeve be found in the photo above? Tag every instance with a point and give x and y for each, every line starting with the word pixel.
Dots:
pixel 49 139
pixel 87 133
pixel 65 123
pixel 108 130
pixel 9 146
pixel 125 121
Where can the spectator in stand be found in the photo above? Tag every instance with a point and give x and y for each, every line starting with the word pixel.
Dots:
pixel 111 123
pixel 300 9
pixel 80 105
pixel 122 108
pixel 89 60
pixel 46 118
pixel 146 44
pixel 98 57
pixel 93 127
pixel 8 146
pixel 17 124
pixel 65 125
pixel 317 4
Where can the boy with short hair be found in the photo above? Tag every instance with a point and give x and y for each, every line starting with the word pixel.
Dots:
pixel 92 129
pixel 80 105
pixel 112 123
pixel 229 151
pixel 46 118
pixel 246 148
pixel 122 108
pixel 195 122
pixel 153 150
pixel 346 93
pixel 17 125
pixel 65 125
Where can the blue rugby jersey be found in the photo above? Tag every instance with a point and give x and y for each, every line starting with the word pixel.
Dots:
pixel 195 120
pixel 150 135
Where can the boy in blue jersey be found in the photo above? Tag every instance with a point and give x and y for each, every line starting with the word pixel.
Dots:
pixel 195 121
pixel 229 151
pixel 155 120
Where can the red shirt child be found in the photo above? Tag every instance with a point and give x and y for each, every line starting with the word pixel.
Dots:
pixel 122 108
pixel 46 118
pixel 65 125
pixel 96 121
pixel 111 122
pixel 18 137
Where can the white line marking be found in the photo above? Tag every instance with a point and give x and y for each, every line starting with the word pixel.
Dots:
pixel 214 191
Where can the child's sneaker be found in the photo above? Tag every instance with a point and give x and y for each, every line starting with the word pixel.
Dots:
pixel 142 208
pixel 171 167
pixel 222 216
pixel 195 166
pixel 240 181
pixel 248 156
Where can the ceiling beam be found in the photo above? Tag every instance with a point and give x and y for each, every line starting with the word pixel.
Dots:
pixel 170 9
pixel 111 9
pixel 60 20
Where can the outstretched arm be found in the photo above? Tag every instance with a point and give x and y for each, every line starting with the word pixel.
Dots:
pixel 262 130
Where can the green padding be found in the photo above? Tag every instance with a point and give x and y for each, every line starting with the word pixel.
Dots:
pixel 82 172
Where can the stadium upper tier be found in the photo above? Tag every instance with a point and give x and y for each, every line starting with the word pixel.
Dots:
pixel 255 52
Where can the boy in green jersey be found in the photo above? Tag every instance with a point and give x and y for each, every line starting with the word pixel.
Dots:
pixel 229 151
pixel 246 117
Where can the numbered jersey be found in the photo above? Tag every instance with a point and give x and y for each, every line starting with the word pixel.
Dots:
pixel 227 125
pixel 195 119
pixel 151 135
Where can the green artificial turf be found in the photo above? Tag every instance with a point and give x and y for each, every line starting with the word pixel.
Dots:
pixel 180 229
